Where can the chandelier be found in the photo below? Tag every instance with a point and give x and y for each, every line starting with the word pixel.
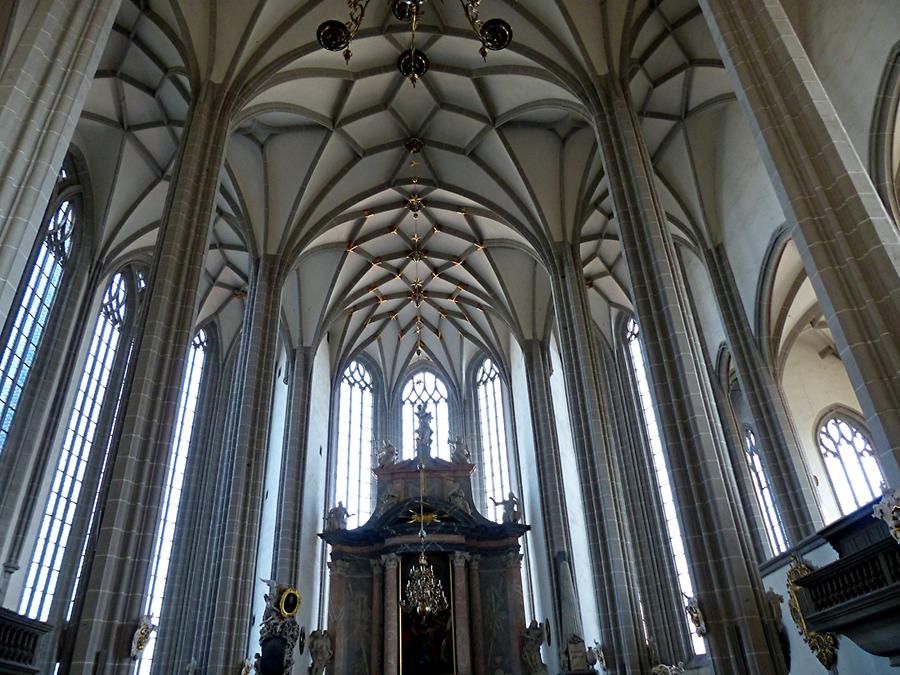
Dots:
pixel 336 36
pixel 424 593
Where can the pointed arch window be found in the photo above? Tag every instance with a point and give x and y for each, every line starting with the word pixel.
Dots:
pixel 661 468
pixel 851 464
pixel 355 443
pixel 178 457
pixel 37 296
pixel 492 428
pixel 96 390
pixel 426 388
pixel 771 517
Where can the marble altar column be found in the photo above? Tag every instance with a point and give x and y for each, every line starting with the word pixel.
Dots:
pixel 516 603
pixel 338 618
pixel 375 659
pixel 461 614
pixel 391 614
pixel 845 236
pixel 477 627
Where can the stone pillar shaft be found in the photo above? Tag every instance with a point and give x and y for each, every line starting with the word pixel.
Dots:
pixel 793 491
pixel 477 624
pixel 461 614
pixel 849 246
pixel 42 92
pixel 288 528
pixel 259 345
pixel 598 468
pixel 516 604
pixel 725 578
pixel 117 583
pixel 566 612
pixel 391 614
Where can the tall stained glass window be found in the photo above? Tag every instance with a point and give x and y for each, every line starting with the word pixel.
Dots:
pixel 426 388
pixel 850 461
pixel 673 527
pixel 168 517
pixel 774 528
pixel 75 454
pixel 355 443
pixel 40 291
pixel 492 426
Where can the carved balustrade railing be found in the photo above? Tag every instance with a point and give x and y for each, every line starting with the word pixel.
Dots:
pixel 19 637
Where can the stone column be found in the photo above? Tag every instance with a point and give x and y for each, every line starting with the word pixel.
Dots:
pixel 391 614
pixel 377 641
pixel 566 612
pixel 259 347
pixel 461 614
pixel 792 489
pixel 117 583
pixel 598 467
pixel 42 92
pixel 477 624
pixel 289 523
pixel 846 239
pixel 720 556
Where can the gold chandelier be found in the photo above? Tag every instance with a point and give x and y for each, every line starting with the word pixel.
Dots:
pixel 424 593
pixel 336 36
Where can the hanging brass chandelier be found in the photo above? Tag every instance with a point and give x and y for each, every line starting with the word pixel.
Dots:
pixel 336 36
pixel 424 593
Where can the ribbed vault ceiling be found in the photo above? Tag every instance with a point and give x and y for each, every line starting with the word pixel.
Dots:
pixel 316 169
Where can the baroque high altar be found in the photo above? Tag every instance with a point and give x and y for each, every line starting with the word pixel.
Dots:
pixel 428 586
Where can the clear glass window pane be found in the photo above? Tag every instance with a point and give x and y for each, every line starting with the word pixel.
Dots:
pixel 355 444
pixel 75 453
pixel 850 462
pixel 771 517
pixel 673 527
pixel 428 389
pixel 492 426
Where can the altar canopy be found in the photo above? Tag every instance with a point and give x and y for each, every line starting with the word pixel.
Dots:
pixel 472 621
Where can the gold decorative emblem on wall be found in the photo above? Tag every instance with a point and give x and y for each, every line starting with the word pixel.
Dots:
pixel 823 645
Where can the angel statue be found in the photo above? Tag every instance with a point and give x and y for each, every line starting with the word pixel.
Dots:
pixel 387 455
pixel 532 639
pixel 336 518
pixel 459 451
pixel 321 650
pixel 511 512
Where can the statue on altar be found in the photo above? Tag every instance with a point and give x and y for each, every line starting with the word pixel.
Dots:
pixel 511 512
pixel 321 650
pixel 532 639
pixel 387 455
pixel 336 518
pixel 423 433
pixel 459 451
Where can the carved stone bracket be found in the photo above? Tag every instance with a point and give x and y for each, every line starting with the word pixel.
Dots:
pixel 823 645
pixel 888 510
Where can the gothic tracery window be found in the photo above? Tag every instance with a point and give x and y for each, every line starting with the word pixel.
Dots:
pixel 95 391
pixel 774 528
pixel 165 535
pixel 851 464
pixel 428 389
pixel 492 428
pixel 355 443
pixel 663 481
pixel 37 297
